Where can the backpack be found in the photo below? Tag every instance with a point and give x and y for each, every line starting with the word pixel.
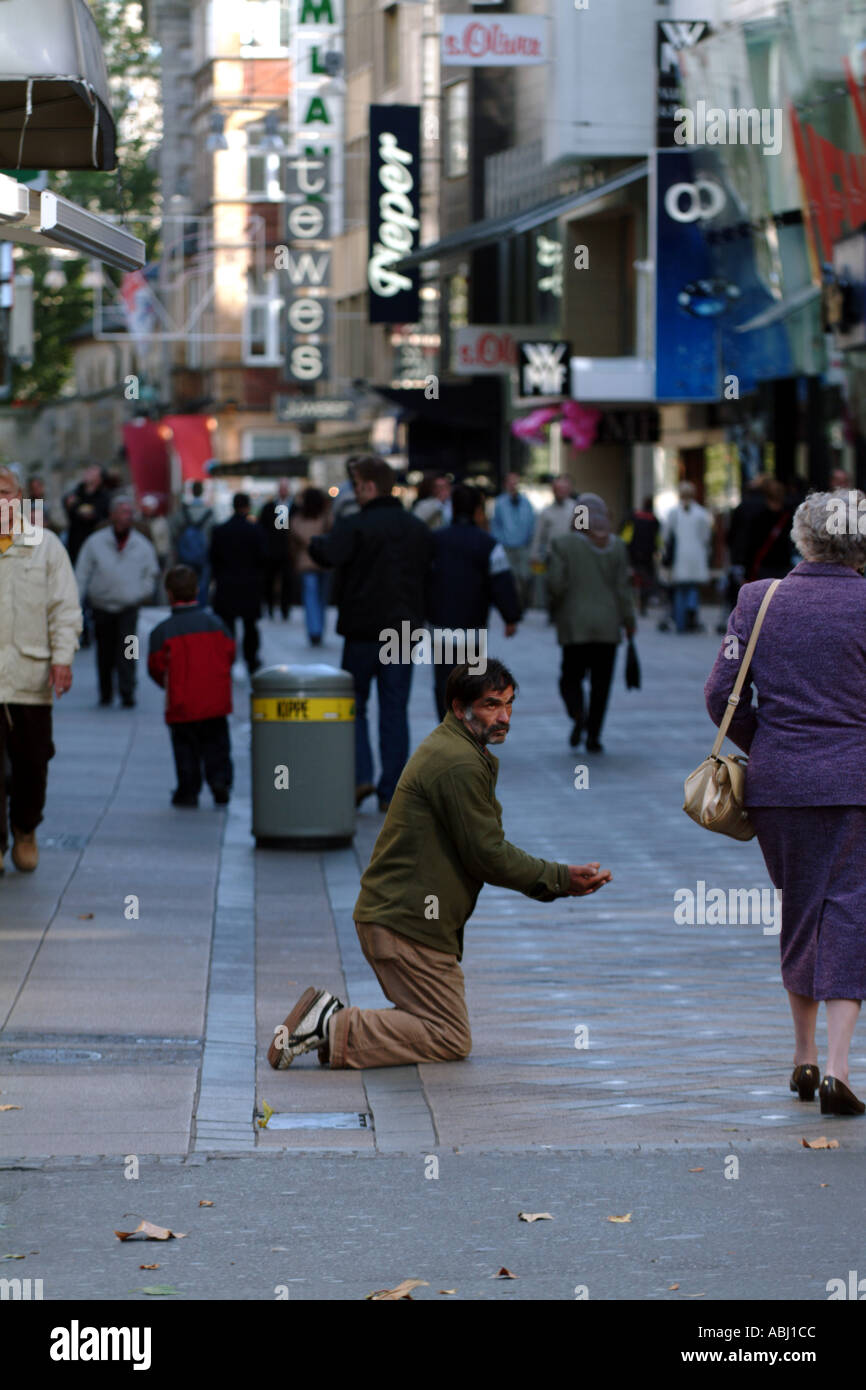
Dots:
pixel 192 542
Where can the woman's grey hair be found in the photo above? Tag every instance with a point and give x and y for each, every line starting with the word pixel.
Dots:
pixel 826 528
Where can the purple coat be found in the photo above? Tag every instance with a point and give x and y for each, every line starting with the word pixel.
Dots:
pixel 806 739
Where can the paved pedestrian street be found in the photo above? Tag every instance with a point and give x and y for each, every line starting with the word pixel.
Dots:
pixel 623 1063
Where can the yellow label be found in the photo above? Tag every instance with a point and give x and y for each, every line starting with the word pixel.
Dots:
pixel 312 711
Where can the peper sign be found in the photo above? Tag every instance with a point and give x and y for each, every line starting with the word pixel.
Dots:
pixel 395 173
pixel 510 41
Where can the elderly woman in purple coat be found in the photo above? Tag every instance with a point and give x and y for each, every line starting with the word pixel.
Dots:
pixel 806 776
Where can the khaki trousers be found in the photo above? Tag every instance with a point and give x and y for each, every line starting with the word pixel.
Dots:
pixel 429 1021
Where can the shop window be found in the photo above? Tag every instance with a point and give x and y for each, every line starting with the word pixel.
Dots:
pixel 391 45
pixel 261 329
pixel 264 25
pixel 457 130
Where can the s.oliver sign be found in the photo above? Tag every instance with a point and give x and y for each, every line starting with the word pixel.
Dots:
pixel 484 351
pixel 508 41
pixel 395 175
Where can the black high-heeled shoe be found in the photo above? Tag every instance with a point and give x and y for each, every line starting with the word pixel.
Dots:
pixel 836 1099
pixel 805 1080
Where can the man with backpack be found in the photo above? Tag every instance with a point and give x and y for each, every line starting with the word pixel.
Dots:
pixel 191 532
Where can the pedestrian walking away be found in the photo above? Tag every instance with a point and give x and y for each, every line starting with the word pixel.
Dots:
pixel 116 573
pixel 190 656
pixel 237 557
pixel 382 555
pixel 191 528
pixel 554 520
pixel 687 533
pixel 805 792
pixel 310 516
pixel 40 624
pixel 470 572
pixel 441 841
pixel 593 601
pixel 279 553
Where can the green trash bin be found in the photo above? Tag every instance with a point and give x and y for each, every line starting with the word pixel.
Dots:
pixel 302 722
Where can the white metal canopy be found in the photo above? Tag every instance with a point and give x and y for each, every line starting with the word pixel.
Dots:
pixel 47 220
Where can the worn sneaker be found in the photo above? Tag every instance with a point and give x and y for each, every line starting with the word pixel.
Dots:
pixel 305 1028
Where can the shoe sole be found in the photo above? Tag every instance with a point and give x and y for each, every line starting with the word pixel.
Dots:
pixel 282 1057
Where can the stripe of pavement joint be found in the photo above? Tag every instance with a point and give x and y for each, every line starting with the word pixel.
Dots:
pixel 224 1114
pixel 401 1117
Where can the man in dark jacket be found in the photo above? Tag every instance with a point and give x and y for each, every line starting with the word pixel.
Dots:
pixel 86 507
pixel 190 656
pixel 382 555
pixel 470 571
pixel 441 841
pixel 237 559
pixel 279 568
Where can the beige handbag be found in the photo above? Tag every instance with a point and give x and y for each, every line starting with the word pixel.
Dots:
pixel 715 791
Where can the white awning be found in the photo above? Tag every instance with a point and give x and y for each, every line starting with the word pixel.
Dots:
pixel 47 220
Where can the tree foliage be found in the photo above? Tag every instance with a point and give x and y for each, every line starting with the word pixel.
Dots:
pixel 130 194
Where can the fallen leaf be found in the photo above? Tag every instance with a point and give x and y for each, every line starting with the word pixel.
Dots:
pixel 696 1170
pixel 447 1290
pixel 205 1204
pixel 10 1107
pixel 13 1257
pixel 825 1184
pixel 673 1286
pixel 279 1247
pixel 534 1216
pixel 84 916
pixel 148 1266
pixel 157 1290
pixel 401 1291
pixel 505 1274
pixel 267 1112
pixel 621 1219
pixel 821 1143
pixel 145 1230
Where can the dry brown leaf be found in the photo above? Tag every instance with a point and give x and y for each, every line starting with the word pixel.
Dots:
pixel 673 1286
pixel 447 1290
pixel 10 1107
pixel 696 1170
pixel 621 1220
pixel 84 916
pixel 821 1143
pixel 534 1216
pixel 145 1230
pixel 825 1184
pixel 205 1204
pixel 401 1291
pixel 148 1266
pixel 505 1274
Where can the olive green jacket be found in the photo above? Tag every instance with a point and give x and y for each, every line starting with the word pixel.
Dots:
pixel 442 840
pixel 591 597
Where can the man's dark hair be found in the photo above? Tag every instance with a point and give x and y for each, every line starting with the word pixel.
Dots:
pixel 197 488
pixel 466 686
pixel 372 468
pixel 465 500
pixel 241 502
pixel 181 583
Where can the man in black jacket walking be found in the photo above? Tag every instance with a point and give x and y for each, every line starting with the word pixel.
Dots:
pixel 237 559
pixel 470 571
pixel 382 555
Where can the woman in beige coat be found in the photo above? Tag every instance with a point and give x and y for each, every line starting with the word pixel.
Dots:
pixel 592 600
pixel 40 624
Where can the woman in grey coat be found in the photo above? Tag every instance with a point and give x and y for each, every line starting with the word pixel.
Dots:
pixel 806 777
pixel 591 601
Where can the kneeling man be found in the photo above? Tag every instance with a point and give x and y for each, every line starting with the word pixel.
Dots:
pixel 441 841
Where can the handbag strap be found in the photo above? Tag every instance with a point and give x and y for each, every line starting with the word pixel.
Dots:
pixel 734 697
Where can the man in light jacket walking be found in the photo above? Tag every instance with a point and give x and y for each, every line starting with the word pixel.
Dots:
pixel 40 624
pixel 116 571
pixel 687 533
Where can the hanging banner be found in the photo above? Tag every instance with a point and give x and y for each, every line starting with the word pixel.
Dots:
pixel 513 40
pixel 395 212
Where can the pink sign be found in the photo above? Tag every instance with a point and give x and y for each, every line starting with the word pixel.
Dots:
pixel 508 41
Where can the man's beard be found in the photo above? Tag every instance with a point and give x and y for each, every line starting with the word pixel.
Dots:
pixel 481 733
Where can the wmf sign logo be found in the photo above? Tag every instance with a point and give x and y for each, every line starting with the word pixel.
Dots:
pixel 543 368
pixel 313 188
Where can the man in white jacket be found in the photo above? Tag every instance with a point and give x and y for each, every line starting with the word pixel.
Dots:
pixel 116 570
pixel 688 529
pixel 40 623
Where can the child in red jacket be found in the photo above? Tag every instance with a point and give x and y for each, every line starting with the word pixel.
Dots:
pixel 191 656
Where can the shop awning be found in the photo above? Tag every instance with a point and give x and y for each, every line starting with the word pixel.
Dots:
pixel 493 229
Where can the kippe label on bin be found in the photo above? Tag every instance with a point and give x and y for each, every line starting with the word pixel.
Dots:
pixel 318 710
